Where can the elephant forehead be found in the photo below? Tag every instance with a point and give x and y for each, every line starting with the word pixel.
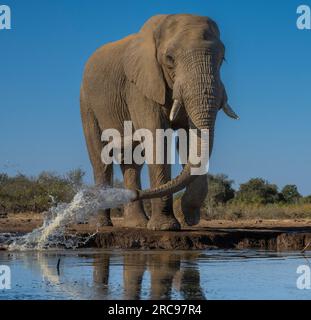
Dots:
pixel 188 37
pixel 173 25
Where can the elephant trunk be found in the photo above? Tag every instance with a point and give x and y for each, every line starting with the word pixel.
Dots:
pixel 201 100
pixel 174 185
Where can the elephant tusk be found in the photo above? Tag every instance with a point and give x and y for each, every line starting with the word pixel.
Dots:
pixel 175 110
pixel 229 111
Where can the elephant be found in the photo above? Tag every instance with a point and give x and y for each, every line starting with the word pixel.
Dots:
pixel 165 76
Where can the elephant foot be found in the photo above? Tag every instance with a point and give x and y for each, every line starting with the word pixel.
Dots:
pixel 103 219
pixel 163 222
pixel 185 215
pixel 134 216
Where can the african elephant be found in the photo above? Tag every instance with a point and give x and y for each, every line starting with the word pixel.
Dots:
pixel 165 76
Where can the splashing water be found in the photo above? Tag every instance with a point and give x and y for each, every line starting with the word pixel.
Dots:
pixel 84 205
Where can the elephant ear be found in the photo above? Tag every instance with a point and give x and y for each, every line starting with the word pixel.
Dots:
pixel 140 61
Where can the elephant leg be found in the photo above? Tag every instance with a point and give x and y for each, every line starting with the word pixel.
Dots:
pixel 102 172
pixel 134 214
pixel 162 217
pixel 187 208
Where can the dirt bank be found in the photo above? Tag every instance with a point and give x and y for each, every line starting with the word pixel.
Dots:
pixel 240 234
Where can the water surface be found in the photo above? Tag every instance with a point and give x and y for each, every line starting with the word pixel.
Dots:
pixel 213 274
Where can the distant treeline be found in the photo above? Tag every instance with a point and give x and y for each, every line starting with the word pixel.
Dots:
pixel 255 191
pixel 254 198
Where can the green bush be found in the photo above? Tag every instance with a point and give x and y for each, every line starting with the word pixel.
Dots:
pixel 257 191
pixel 290 194
pixel 37 194
pixel 220 190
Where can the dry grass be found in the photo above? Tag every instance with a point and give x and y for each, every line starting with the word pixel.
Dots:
pixel 271 211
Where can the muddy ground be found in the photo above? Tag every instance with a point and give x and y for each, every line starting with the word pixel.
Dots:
pixel 239 234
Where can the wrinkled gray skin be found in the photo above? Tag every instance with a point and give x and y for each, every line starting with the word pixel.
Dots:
pixel 172 58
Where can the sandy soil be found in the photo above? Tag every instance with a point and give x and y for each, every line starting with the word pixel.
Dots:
pixel 26 222
pixel 240 234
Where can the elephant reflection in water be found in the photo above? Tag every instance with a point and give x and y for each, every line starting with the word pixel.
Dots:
pixel 133 272
pixel 187 279
pixel 166 274
pixel 101 273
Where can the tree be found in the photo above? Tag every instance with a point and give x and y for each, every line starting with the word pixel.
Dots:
pixel 220 190
pixel 257 191
pixel 290 193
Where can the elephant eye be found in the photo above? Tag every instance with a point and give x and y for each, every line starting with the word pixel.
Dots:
pixel 169 60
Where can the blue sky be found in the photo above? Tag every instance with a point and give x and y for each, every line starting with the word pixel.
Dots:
pixel 267 76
